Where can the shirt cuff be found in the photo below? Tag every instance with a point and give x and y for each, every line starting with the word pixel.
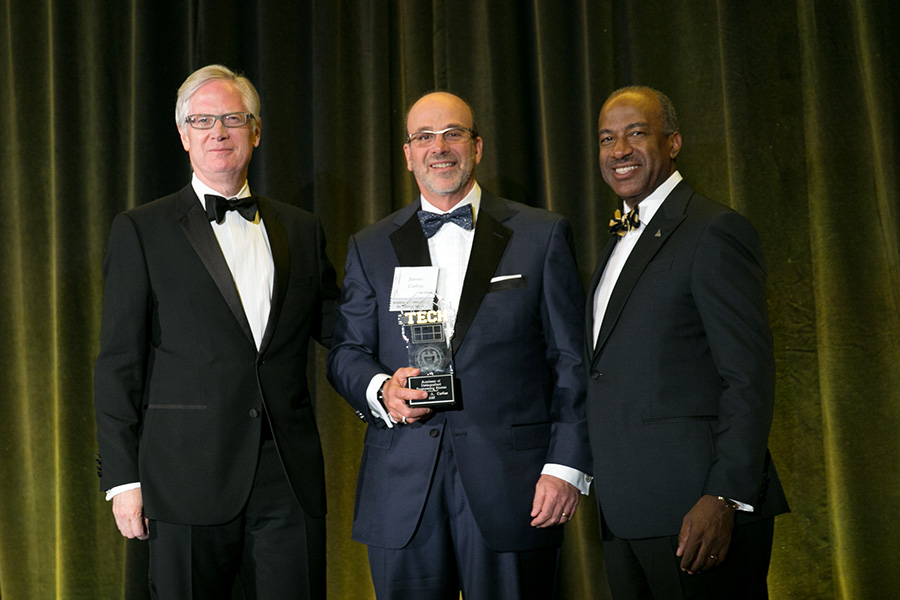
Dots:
pixel 375 406
pixel 115 491
pixel 580 480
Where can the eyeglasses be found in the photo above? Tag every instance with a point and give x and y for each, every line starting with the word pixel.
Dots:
pixel 451 135
pixel 235 119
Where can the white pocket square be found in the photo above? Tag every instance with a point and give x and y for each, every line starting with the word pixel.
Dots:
pixel 505 277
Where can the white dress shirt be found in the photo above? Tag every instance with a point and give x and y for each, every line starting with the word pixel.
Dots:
pixel 245 246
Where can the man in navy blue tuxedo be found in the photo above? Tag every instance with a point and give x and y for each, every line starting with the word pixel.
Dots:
pixel 471 497
pixel 681 375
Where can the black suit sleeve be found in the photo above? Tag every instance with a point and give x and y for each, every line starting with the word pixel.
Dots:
pixel 120 370
pixel 729 287
pixel 323 330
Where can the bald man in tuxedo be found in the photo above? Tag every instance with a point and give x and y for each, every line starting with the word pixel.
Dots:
pixel 473 496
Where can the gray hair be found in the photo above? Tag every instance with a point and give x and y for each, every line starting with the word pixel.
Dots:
pixel 670 119
pixel 210 73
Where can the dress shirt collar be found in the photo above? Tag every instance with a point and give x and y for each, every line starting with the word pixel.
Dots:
pixel 473 198
pixel 651 203
pixel 201 189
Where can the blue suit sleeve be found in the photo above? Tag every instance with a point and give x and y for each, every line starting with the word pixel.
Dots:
pixel 562 316
pixel 351 361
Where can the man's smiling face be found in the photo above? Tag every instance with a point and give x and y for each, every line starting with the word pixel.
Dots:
pixel 636 156
pixel 443 171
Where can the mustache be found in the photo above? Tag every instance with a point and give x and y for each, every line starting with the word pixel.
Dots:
pixel 621 161
pixel 442 157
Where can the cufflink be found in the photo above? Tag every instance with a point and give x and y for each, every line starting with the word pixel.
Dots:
pixel 729 503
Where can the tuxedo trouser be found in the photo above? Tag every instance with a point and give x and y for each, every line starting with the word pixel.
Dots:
pixel 648 569
pixel 448 554
pixel 276 548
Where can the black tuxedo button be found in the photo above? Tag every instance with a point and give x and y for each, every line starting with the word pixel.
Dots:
pixel 596 375
pixel 434 433
pixel 254 413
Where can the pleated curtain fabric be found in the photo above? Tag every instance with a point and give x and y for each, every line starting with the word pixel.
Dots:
pixel 788 114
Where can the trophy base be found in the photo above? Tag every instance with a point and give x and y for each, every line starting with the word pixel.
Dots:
pixel 439 388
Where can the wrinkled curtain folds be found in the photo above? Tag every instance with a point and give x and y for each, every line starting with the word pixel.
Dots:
pixel 787 110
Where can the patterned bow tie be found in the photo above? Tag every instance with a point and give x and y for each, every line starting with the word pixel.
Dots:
pixel 217 206
pixel 620 225
pixel 432 222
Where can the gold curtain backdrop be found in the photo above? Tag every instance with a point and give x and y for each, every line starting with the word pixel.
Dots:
pixel 788 114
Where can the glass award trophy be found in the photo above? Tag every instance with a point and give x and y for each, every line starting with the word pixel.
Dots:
pixel 426 326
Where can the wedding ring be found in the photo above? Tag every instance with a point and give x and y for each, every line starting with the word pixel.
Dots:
pixel 713 557
pixel 403 420
pixel 565 516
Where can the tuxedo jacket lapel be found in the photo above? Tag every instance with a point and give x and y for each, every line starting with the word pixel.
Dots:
pixel 657 231
pixel 281 256
pixel 592 291
pixel 488 246
pixel 409 242
pixel 195 224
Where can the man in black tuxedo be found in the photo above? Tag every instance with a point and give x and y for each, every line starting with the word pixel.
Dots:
pixel 205 424
pixel 472 497
pixel 681 375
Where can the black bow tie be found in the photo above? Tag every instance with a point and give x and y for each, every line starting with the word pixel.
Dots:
pixel 217 206
pixel 432 222
pixel 620 225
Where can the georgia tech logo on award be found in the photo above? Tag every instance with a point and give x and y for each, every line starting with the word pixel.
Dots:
pixel 429 358
pixel 425 325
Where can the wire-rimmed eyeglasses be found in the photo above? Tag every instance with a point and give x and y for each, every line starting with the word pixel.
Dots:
pixel 235 119
pixel 451 135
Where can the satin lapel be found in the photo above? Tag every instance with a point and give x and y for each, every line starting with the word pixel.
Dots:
pixel 281 256
pixel 409 242
pixel 199 233
pixel 658 230
pixel 592 289
pixel 488 246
